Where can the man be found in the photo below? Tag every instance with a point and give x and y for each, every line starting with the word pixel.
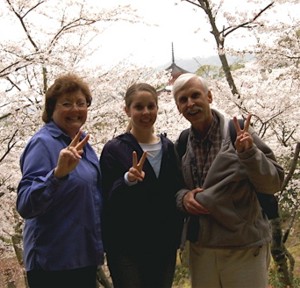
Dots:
pixel 228 233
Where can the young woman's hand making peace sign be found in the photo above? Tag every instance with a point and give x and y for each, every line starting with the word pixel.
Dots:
pixel 136 173
pixel 244 140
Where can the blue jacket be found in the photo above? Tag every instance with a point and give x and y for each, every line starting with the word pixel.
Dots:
pixel 143 217
pixel 62 216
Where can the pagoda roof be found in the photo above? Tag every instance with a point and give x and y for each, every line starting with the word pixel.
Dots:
pixel 176 71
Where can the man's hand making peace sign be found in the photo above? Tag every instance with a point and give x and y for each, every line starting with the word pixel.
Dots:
pixel 244 140
pixel 136 173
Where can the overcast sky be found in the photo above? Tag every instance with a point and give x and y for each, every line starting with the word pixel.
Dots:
pixel 182 24
pixel 150 45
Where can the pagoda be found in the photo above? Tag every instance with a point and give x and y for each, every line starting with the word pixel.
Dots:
pixel 176 71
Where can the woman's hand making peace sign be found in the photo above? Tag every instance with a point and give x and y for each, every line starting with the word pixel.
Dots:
pixel 70 156
pixel 244 140
pixel 136 173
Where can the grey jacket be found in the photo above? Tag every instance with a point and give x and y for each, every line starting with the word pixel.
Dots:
pixel 235 219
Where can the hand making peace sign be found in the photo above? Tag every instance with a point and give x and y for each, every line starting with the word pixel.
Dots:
pixel 244 140
pixel 136 173
pixel 70 156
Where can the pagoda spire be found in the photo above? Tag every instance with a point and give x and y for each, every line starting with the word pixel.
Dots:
pixel 175 70
pixel 173 57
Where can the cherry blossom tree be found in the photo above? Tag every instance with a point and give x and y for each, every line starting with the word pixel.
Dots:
pixel 28 69
pixel 48 40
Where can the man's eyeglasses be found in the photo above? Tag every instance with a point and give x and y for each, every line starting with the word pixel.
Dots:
pixel 70 105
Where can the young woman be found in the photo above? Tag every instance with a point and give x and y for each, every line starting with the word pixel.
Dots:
pixel 140 178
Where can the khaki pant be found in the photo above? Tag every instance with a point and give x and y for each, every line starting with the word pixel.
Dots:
pixel 229 268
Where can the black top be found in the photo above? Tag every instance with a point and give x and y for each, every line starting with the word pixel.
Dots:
pixel 141 217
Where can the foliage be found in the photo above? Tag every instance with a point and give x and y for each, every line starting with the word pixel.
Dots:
pixel 209 71
pixel 275 280
pixel 181 278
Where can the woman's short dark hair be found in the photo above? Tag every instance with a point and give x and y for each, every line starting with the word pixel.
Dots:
pixel 65 84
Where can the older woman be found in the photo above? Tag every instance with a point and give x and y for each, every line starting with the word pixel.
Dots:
pixel 59 195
